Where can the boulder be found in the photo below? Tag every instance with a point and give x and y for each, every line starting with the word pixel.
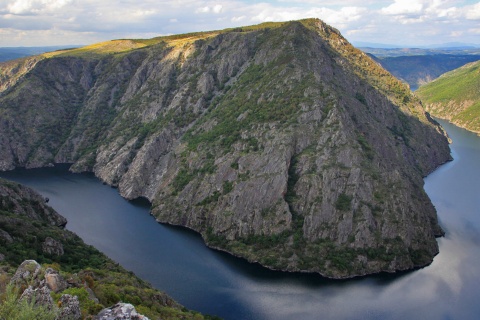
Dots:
pixel 27 273
pixel 52 246
pixel 41 296
pixel 120 311
pixel 69 308
pixel 55 281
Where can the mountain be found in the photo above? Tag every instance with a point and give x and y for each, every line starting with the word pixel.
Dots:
pixel 419 66
pixel 417 70
pixel 30 229
pixel 361 44
pixel 402 52
pixel 455 96
pixel 280 143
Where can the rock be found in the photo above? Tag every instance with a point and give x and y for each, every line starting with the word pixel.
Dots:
pixel 2 257
pixel 27 273
pixel 14 196
pixel 69 308
pixel 120 311
pixel 40 295
pixel 54 280
pixel 52 246
pixel 91 295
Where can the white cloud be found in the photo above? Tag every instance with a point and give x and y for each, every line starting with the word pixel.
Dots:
pixel 473 12
pixel 339 17
pixel 403 7
pixel 203 10
pixel 35 6
pixel 207 9
pixel 217 8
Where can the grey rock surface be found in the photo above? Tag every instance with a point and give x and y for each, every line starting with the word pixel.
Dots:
pixel 54 280
pixel 120 311
pixel 52 246
pixel 69 308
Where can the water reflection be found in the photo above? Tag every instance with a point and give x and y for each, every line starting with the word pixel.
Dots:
pixel 176 261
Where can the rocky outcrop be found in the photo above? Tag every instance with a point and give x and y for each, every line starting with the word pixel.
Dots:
pixel 69 308
pixel 279 143
pixel 54 280
pixel 120 311
pixel 23 201
pixel 52 246
pixel 40 296
pixel 39 286
pixel 27 273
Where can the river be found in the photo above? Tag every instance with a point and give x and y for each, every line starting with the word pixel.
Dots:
pixel 176 261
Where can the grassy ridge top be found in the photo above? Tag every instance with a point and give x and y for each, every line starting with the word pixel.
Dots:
pixel 126 45
pixel 455 96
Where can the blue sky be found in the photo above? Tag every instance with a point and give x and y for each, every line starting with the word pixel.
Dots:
pixel 398 22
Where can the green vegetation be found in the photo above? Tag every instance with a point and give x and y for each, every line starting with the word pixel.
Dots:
pixel 344 202
pixel 455 96
pixel 255 82
pixel 12 308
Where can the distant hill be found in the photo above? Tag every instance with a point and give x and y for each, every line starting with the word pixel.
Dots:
pixel 11 53
pixel 455 96
pixel 418 70
pixel 396 51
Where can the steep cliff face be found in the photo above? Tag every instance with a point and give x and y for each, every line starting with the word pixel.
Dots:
pixel 280 143
pixel 24 202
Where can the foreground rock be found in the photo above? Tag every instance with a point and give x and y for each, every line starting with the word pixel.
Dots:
pixel 280 143
pixel 120 311
pixel 39 290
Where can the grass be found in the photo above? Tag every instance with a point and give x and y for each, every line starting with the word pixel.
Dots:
pixel 455 96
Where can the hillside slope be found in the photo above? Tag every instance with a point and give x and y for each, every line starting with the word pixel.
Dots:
pixel 280 143
pixel 30 229
pixel 455 96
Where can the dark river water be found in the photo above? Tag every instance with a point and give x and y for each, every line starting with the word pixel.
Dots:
pixel 176 261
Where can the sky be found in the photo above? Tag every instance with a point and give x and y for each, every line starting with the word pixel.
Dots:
pixel 74 22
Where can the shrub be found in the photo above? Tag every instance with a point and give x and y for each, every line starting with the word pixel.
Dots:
pixel 344 202
pixel 12 308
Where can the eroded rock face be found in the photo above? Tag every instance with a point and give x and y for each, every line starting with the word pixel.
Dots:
pixel 27 273
pixel 55 281
pixel 13 197
pixel 283 145
pixel 69 308
pixel 120 311
pixel 40 295
pixel 52 246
